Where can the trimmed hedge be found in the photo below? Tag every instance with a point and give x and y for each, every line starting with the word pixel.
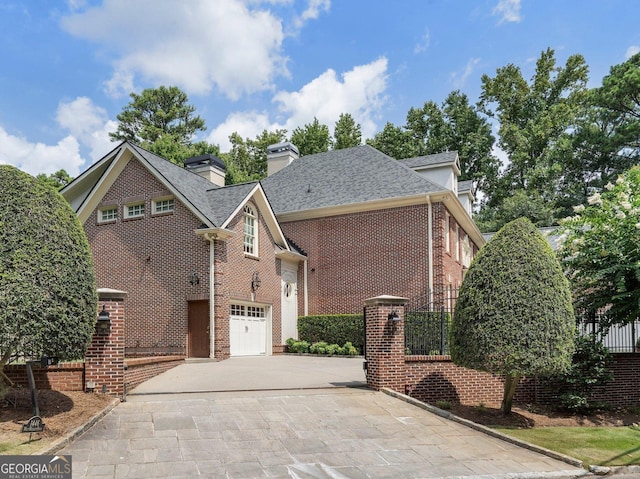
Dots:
pixel 332 328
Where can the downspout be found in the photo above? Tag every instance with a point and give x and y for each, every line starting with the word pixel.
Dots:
pixel 306 290
pixel 212 297
pixel 430 244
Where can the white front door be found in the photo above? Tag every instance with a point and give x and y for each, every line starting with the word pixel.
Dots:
pixel 289 302
pixel 248 330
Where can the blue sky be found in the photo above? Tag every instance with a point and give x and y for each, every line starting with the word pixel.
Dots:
pixel 67 67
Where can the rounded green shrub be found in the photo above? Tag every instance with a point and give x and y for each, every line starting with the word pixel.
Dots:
pixel 47 282
pixel 514 314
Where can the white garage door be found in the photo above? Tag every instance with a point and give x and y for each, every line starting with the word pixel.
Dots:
pixel 248 330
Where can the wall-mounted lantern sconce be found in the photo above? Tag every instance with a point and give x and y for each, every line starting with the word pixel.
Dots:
pixel 255 282
pixel 104 323
pixel 193 278
pixel 393 320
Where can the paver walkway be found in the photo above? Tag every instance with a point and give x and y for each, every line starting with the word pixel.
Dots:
pixel 333 433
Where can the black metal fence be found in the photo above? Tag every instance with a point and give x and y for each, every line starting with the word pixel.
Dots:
pixel 428 322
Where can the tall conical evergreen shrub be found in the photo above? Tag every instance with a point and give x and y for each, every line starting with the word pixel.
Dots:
pixel 514 314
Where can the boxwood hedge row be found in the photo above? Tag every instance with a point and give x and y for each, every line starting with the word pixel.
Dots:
pixel 333 329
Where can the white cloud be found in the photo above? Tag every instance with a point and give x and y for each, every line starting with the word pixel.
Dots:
pixel 195 45
pixel 246 124
pixel 458 79
pixel 35 158
pixel 313 11
pixel 360 92
pixel 423 42
pixel 631 51
pixel 508 10
pixel 88 123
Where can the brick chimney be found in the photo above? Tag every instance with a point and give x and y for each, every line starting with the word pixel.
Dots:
pixel 280 155
pixel 208 166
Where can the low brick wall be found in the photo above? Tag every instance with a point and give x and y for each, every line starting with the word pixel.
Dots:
pixel 434 378
pixel 61 377
pixel 138 370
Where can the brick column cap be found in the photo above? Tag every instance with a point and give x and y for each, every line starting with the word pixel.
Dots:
pixel 386 299
pixel 108 293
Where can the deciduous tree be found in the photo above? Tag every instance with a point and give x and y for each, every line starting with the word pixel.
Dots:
pixel 312 138
pixel 600 249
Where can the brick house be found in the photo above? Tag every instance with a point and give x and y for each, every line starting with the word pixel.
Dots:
pixel 218 271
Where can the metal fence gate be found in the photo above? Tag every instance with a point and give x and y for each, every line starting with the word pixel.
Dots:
pixel 428 322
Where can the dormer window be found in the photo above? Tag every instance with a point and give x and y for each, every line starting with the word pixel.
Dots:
pixel 250 231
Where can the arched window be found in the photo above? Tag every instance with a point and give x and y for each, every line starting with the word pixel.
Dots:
pixel 250 231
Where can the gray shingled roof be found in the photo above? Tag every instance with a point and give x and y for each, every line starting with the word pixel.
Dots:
pixel 224 201
pixel 431 160
pixel 212 201
pixel 466 185
pixel 342 177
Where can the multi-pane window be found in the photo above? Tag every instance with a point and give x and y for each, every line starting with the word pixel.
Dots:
pixel 248 311
pixel 134 211
pixel 164 205
pixel 250 231
pixel 107 214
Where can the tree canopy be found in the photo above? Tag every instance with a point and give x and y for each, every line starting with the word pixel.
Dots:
pixel 514 314
pixel 162 121
pixel 455 125
pixel 346 133
pixel 312 138
pixel 47 282
pixel 600 248
pixel 58 180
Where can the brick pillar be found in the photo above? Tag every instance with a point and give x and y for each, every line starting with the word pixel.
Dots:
pixel 104 361
pixel 385 343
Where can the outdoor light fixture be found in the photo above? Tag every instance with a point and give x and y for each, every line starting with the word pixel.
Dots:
pixel 393 319
pixel 104 323
pixel 193 278
pixel 255 282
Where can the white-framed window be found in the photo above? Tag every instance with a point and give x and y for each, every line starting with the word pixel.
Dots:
pixel 447 235
pixel 457 243
pixel 163 205
pixel 135 210
pixel 108 214
pixel 250 231
pixel 467 252
pixel 248 311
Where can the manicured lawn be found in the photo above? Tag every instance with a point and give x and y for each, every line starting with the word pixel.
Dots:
pixel 605 446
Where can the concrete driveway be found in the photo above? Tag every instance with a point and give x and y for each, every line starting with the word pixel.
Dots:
pixel 325 432
pixel 257 373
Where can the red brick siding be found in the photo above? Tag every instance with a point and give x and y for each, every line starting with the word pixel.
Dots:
pixel 141 369
pixel 362 255
pixel 61 377
pixel 104 361
pixel 357 256
pixel 233 272
pixel 150 258
pixel 434 378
